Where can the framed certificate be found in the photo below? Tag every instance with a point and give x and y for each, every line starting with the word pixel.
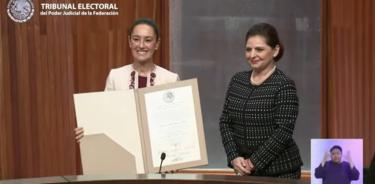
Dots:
pixel 145 123
pixel 172 124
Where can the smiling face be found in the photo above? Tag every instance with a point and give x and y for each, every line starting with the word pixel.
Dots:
pixel 259 54
pixel 143 42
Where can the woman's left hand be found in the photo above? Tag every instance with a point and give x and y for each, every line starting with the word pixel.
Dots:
pixel 348 157
pixel 251 165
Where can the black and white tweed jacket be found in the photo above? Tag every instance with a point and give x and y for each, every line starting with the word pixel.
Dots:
pixel 257 122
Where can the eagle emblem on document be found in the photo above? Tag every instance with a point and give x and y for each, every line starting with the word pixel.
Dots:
pixel 168 97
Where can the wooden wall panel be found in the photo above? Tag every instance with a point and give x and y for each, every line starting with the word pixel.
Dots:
pixel 43 62
pixel 6 129
pixel 348 104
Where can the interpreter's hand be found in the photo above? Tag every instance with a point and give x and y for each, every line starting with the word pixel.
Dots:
pixel 348 157
pixel 325 158
pixel 79 132
pixel 241 166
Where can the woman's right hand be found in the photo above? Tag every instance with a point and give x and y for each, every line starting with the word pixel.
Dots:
pixel 325 158
pixel 241 166
pixel 79 132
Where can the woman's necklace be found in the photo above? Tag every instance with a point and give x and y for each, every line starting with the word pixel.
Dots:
pixel 258 82
pixel 134 78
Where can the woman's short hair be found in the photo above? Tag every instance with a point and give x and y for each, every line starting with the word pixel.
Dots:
pixel 269 33
pixel 336 147
pixel 148 22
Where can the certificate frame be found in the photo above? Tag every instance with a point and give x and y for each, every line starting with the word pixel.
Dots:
pixel 146 141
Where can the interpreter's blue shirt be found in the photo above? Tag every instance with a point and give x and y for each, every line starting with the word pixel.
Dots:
pixel 334 173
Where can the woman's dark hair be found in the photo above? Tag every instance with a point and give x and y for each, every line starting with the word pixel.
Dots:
pixel 148 22
pixel 336 147
pixel 269 33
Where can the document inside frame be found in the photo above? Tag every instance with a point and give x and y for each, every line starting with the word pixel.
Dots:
pixel 144 123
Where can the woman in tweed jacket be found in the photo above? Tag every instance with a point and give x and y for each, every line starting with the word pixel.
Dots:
pixel 260 112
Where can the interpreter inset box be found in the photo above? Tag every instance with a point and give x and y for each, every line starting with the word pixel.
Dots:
pixel 336 161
